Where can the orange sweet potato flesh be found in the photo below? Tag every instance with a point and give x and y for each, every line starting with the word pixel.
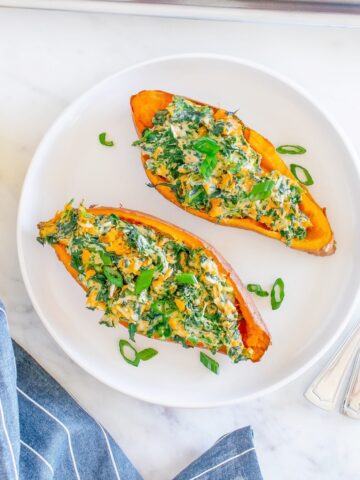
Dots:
pixel 252 328
pixel 319 239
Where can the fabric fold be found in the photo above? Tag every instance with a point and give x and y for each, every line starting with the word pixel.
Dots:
pixel 46 435
pixel 232 457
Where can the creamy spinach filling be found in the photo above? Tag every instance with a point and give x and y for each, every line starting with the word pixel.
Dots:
pixel 205 159
pixel 160 287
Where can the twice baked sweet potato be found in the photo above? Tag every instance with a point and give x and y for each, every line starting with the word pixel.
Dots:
pixel 157 279
pixel 197 183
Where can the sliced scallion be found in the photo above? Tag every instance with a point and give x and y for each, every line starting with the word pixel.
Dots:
pixel 186 278
pixel 257 289
pixel 113 276
pixel 147 353
pixel 209 363
pixel 308 180
pixel 144 280
pixel 291 149
pixel 133 357
pixel 105 258
pixel 132 331
pixel 277 293
pixel 103 141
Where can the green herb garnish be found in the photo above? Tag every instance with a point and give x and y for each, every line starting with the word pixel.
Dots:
pixel 144 280
pixel 277 293
pixel 257 289
pixel 132 330
pixel 208 165
pixel 147 353
pixel 206 145
pixel 114 276
pixel 261 190
pixel 186 278
pixel 308 178
pixel 103 141
pixel 209 147
pixel 105 258
pixel 209 363
pixel 291 149
pixel 133 358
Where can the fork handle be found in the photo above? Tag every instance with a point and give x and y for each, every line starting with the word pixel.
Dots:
pixel 351 406
pixel 324 390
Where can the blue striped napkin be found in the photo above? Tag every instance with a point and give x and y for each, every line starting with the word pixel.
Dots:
pixel 45 434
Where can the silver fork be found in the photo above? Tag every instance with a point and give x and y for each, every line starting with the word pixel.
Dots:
pixel 325 389
pixel 351 406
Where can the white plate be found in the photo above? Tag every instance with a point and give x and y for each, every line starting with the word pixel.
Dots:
pixel 320 292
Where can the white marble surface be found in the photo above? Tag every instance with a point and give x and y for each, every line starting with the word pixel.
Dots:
pixel 46 60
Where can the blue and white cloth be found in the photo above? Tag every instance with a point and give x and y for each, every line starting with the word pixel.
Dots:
pixel 45 434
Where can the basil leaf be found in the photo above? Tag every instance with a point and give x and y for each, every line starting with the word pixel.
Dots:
pixel 209 363
pixel 186 278
pixel 277 293
pixel 103 141
pixel 291 149
pixel 144 280
pixel 206 145
pixel 146 354
pixel 257 289
pixel 261 190
pixel 133 358
pixel 209 147
pixel 113 276
pixel 208 165
pixel 308 178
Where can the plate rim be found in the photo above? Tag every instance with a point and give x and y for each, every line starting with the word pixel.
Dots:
pixel 52 129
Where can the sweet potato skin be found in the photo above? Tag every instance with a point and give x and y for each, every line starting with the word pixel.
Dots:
pixel 320 239
pixel 253 330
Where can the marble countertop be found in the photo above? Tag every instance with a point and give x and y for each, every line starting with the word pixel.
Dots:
pixel 46 60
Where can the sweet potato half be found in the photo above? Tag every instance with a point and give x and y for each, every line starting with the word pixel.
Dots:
pixel 319 239
pixel 253 331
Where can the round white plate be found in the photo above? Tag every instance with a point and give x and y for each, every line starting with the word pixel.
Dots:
pixel 320 292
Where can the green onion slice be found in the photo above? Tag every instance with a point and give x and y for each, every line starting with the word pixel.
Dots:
pixel 186 278
pixel 158 306
pixel 209 363
pixel 277 293
pixel 308 178
pixel 132 330
pixel 105 258
pixel 146 354
pixel 113 276
pixel 257 289
pixel 133 356
pixel 144 280
pixel 163 307
pixel 291 149
pixel 103 141
pixel 261 190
